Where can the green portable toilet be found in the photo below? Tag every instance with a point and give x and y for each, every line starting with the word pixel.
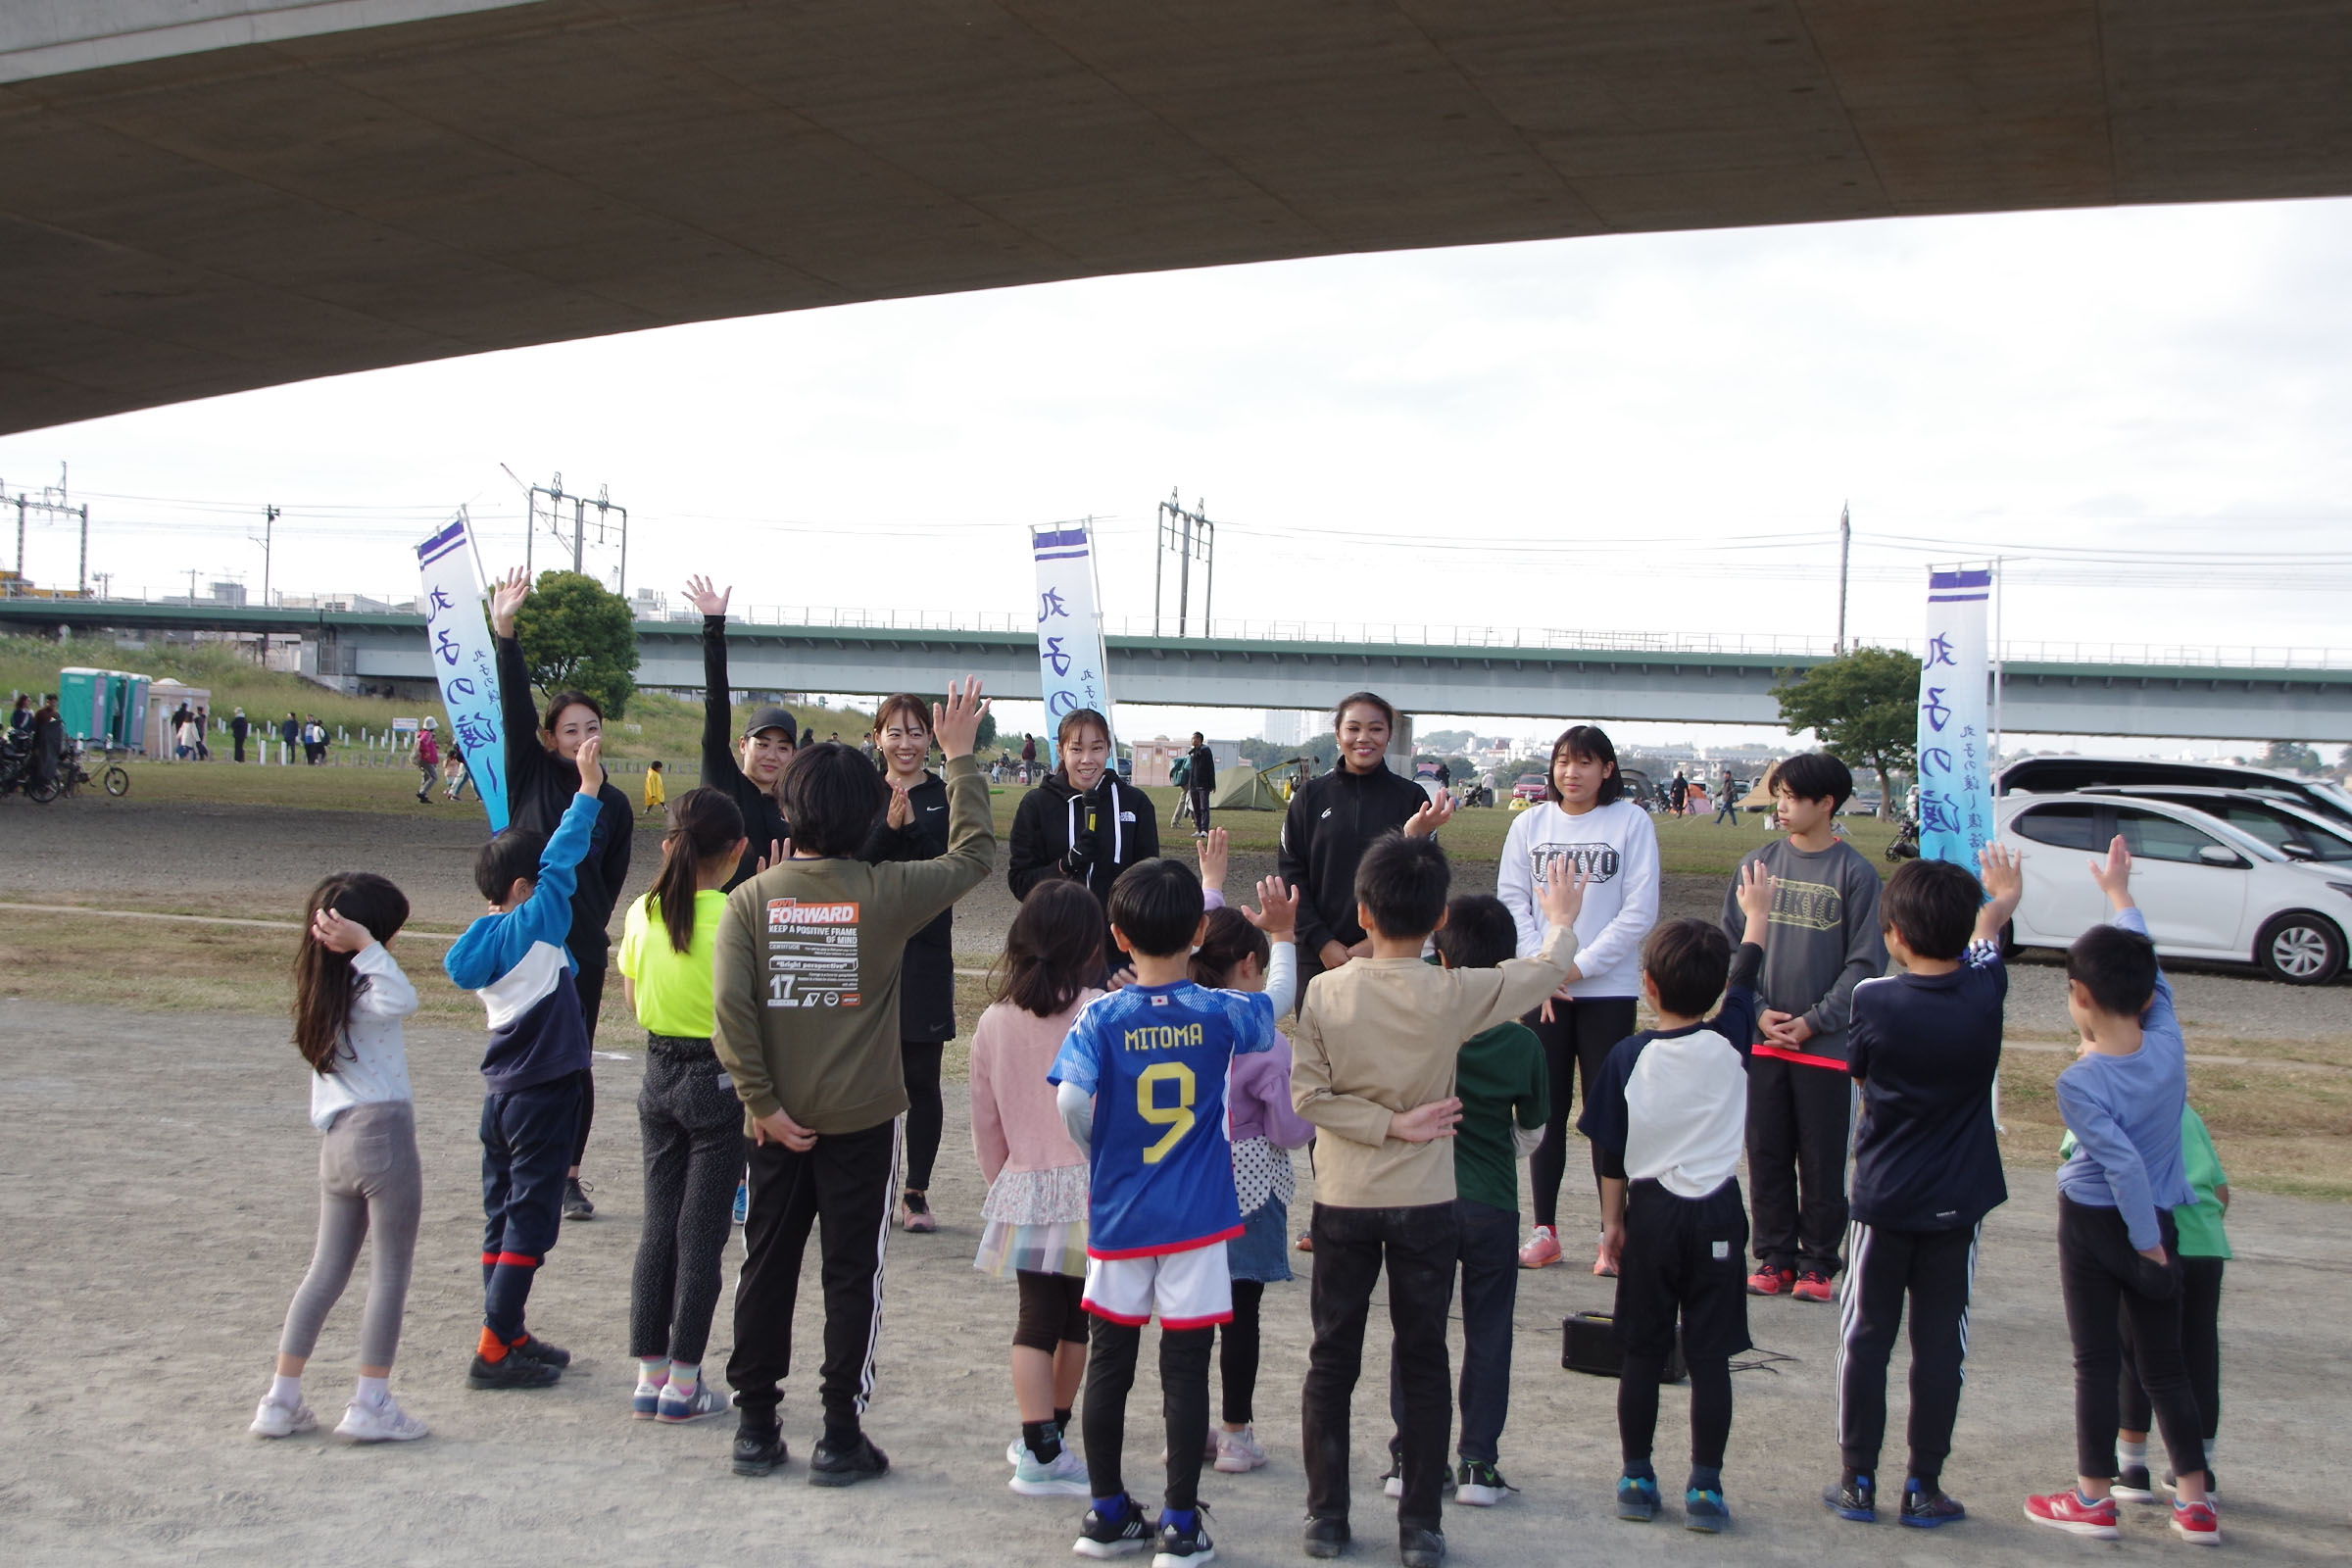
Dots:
pixel 134 711
pixel 81 701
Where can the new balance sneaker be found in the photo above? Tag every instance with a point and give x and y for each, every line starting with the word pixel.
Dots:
pixel 378 1421
pixel 1174 1548
pixel 1239 1453
pixel 645 1400
pixel 758 1449
pixel 1102 1537
pixel 847 1464
pixel 576 1199
pixel 1543 1247
pixel 1636 1499
pixel 2213 1486
pixel 514 1370
pixel 1703 1510
pixel 271 1419
pixel 1929 1510
pixel 2070 1511
pixel 1811 1286
pixel 1416 1547
pixel 2197 1524
pixel 1854 1498
pixel 1771 1280
pixel 1479 1485
pixel 1323 1537
pixel 2132 1485
pixel 676 1408
pixel 742 1202
pixel 1062 1476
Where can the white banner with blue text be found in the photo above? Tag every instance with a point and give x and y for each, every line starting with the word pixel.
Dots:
pixel 1955 765
pixel 1069 629
pixel 464 660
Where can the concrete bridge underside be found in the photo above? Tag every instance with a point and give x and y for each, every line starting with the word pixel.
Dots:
pixel 202 196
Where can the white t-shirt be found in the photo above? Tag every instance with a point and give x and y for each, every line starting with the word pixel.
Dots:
pixel 371 1065
pixel 1618 849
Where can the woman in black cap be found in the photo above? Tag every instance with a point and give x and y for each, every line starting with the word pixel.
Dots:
pixel 749 766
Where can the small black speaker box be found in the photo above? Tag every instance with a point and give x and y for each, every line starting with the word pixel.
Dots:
pixel 1589 1343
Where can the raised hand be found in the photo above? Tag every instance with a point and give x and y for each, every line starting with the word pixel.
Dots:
pixel 1755 892
pixel 1563 895
pixel 1215 853
pixel 339 933
pixel 778 850
pixel 506 597
pixel 2114 874
pixel 956 723
pixel 591 762
pixel 702 596
pixel 1277 911
pixel 1433 816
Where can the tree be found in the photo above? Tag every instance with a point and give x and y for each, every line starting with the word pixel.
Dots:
pixel 1864 707
pixel 2290 756
pixel 577 634
pixel 2343 759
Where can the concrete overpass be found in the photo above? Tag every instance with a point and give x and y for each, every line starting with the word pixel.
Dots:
pixel 2203 700
pixel 201 196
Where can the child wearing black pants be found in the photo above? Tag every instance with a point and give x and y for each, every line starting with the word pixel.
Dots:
pixel 1668 1114
pixel 1926 1048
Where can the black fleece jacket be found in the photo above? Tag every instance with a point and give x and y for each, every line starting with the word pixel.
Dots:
pixel 1333 819
pixel 763 819
pixel 927 976
pixel 540 786
pixel 1049 816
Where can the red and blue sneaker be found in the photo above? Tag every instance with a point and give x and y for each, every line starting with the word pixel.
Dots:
pixel 2071 1512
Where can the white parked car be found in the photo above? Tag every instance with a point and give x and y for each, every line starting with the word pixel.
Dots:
pixel 2209 890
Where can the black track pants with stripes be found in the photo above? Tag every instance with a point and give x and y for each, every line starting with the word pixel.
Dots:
pixel 1934 1271
pixel 844 1185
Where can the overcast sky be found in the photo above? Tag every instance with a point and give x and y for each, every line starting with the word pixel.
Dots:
pixel 1648 433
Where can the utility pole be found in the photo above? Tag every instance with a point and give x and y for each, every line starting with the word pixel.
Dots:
pixel 611 525
pixel 270 514
pixel 53 499
pixel 1846 551
pixel 1189 534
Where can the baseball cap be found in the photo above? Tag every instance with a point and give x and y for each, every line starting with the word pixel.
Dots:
pixel 773 718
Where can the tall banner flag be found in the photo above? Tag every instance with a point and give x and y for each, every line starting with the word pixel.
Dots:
pixel 1069 630
pixel 464 660
pixel 1955 766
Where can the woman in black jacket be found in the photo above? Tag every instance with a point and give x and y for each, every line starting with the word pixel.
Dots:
pixel 913 826
pixel 1084 823
pixel 541 781
pixel 1334 818
pixel 750 767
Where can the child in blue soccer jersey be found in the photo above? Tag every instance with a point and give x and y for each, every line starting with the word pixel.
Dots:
pixel 1141 1087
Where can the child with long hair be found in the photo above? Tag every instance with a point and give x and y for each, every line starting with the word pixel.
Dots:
pixel 349 1000
pixel 1236 956
pixel 687 1112
pixel 1037 1177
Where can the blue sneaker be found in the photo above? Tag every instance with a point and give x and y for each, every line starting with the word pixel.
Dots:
pixel 1636 1499
pixel 646 1402
pixel 1704 1511
pixel 1927 1510
pixel 1855 1498
pixel 742 1202
pixel 1129 1533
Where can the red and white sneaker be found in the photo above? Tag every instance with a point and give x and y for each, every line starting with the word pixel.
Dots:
pixel 1604 1263
pixel 2197 1524
pixel 1770 1281
pixel 1542 1249
pixel 2065 1511
pixel 1811 1286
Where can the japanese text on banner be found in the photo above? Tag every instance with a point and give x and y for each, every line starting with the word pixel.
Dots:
pixel 465 660
pixel 1069 631
pixel 1955 765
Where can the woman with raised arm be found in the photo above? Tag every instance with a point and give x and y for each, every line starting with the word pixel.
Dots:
pixel 541 780
pixel 750 767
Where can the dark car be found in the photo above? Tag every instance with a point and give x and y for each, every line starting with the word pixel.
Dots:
pixel 2063 775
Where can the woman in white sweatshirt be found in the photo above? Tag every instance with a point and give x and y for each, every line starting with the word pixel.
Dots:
pixel 1610 838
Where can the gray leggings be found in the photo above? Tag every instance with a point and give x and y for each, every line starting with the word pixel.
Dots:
pixel 369 1178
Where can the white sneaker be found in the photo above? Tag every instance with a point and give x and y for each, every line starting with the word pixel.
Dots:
pixel 366 1422
pixel 1064 1477
pixel 1239 1453
pixel 271 1419
pixel 1016 1451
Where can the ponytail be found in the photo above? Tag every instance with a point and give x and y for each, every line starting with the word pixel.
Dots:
pixel 703 825
pixel 1229 940
pixel 324 985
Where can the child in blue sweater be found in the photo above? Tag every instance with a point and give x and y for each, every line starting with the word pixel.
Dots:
pixel 514 960
pixel 2117 1245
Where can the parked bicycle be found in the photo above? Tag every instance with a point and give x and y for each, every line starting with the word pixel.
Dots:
pixel 72 771
pixel 1906 841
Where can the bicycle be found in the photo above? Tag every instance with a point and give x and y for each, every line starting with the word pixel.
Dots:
pixel 72 774
pixel 1906 842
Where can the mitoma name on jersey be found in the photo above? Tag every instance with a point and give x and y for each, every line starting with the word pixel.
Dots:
pixel 1161 1036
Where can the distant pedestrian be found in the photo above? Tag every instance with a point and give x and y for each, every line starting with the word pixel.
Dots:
pixel 19 717
pixel 289 730
pixel 1677 793
pixel 184 739
pixel 239 727
pixel 454 771
pixel 204 724
pixel 1200 779
pixel 657 792
pixel 428 761
pixel 1727 798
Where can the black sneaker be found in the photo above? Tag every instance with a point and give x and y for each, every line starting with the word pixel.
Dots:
pixel 1854 1498
pixel 1184 1548
pixel 1324 1538
pixel 759 1449
pixel 1417 1547
pixel 511 1371
pixel 1098 1537
pixel 1928 1511
pixel 846 1467
pixel 538 1350
pixel 576 1199
pixel 2132 1484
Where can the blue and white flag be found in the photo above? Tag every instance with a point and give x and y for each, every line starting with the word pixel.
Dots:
pixel 465 659
pixel 1069 630
pixel 1955 765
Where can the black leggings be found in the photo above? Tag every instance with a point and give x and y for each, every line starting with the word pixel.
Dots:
pixel 920 1058
pixel 2200 1348
pixel 1183 1398
pixel 589 986
pixel 1576 1043
pixel 1050 1313
pixel 1237 1354
pixel 1710 1409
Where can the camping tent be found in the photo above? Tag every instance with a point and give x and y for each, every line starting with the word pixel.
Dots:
pixel 1248 791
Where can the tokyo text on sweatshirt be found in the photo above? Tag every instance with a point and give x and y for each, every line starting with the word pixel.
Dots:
pixel 1825 941
pixel 1617 847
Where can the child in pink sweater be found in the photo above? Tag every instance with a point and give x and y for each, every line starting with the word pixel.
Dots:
pixel 1037 1178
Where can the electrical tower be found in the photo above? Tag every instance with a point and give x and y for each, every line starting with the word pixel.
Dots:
pixel 610 528
pixel 1190 536
pixel 53 502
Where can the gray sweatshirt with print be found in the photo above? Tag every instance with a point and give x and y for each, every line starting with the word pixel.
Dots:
pixel 1824 940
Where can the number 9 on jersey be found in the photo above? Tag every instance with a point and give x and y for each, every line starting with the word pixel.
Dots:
pixel 1176 1118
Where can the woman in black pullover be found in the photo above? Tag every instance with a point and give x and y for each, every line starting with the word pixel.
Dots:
pixel 1331 823
pixel 541 781
pixel 1084 823
pixel 750 767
